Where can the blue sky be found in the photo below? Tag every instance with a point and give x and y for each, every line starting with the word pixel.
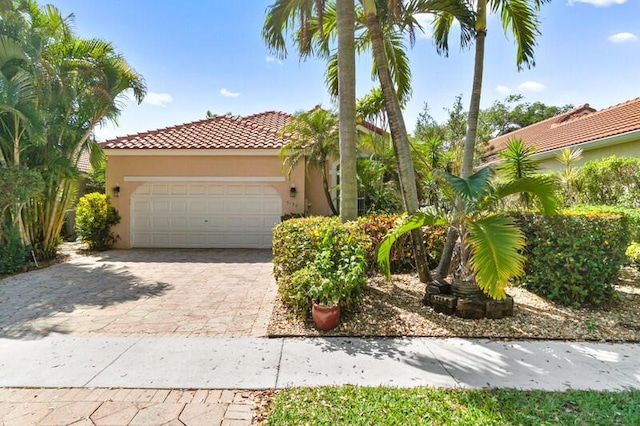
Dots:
pixel 200 55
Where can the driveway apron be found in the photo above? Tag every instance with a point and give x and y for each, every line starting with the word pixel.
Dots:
pixel 181 293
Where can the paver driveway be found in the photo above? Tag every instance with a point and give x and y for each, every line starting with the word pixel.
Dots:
pixel 216 293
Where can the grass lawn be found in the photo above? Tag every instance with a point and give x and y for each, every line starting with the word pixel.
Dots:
pixel 419 406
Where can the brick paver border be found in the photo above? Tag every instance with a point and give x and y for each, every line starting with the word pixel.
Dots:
pixel 100 406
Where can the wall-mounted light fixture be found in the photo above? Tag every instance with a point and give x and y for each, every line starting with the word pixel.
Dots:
pixel 116 191
pixel 293 191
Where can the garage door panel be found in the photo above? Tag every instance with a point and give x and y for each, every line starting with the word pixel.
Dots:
pixel 199 215
pixel 160 189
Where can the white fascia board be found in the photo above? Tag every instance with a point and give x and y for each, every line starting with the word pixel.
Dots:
pixel 229 179
pixel 594 144
pixel 150 152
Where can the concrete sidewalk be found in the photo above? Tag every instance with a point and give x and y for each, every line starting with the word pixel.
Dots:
pixel 58 361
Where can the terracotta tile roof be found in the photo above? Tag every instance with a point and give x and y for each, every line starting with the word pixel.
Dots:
pixel 84 162
pixel 217 132
pixel 579 125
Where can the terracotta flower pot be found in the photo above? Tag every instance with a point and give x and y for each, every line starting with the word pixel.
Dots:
pixel 325 317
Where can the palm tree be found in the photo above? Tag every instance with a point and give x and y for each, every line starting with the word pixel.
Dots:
pixel 306 19
pixel 393 108
pixel 347 109
pixel 73 85
pixel 490 252
pixel 520 17
pixel 314 138
pixel 517 163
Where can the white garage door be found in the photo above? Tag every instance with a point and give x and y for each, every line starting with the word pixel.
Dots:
pixel 204 215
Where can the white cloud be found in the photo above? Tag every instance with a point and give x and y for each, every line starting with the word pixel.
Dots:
pixel 425 20
pixel 623 38
pixel 599 3
pixel 272 60
pixel 504 90
pixel 158 99
pixel 228 93
pixel 531 86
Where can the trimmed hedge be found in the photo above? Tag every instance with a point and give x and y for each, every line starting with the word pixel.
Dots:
pixel 632 216
pixel 610 181
pixel 633 253
pixel 297 242
pixel 377 226
pixel 574 258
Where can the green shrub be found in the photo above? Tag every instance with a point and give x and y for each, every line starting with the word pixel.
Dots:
pixel 94 219
pixel 298 243
pixel 342 266
pixel 633 253
pixel 632 216
pixel 13 254
pixel 295 243
pixel 295 288
pixel 377 226
pixel 610 181
pixel 574 258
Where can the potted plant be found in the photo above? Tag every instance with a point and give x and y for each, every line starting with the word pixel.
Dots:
pixel 325 308
pixel 489 241
pixel 341 273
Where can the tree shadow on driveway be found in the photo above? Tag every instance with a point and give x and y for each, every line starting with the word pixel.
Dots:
pixel 34 304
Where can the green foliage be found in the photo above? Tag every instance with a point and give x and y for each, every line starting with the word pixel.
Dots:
pixel 375 227
pixel 609 181
pixel 94 219
pixel 13 253
pixel 341 264
pixel 18 185
pixel 574 258
pixel 356 405
pixel 632 216
pixel 327 249
pixel 295 288
pixel 489 252
pixel 96 178
pixel 400 232
pixel 55 88
pixel 633 253
pixel 295 243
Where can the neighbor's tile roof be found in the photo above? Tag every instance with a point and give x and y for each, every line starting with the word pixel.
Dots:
pixel 579 125
pixel 84 162
pixel 217 132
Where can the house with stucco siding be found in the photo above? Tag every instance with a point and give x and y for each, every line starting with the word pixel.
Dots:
pixel 599 133
pixel 217 182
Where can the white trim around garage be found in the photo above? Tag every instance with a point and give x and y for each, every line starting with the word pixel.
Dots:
pixel 229 179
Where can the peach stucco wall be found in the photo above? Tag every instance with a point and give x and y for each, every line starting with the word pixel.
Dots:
pixel 119 167
pixel 316 200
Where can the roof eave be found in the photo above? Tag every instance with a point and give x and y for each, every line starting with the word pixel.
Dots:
pixel 593 144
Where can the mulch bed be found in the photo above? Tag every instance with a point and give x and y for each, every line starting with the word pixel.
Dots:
pixel 394 308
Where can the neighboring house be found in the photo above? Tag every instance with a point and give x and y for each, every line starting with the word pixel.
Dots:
pixel 217 182
pixel 611 131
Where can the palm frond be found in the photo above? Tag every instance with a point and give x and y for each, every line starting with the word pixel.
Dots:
pixel 521 19
pixel 424 217
pixel 496 243
pixel 542 187
pixel 473 187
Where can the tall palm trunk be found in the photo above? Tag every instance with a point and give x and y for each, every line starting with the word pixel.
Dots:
pixel 327 192
pixel 399 136
pixel 347 109
pixel 466 168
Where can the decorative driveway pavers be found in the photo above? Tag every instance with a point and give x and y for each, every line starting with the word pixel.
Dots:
pixel 125 407
pixel 204 293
